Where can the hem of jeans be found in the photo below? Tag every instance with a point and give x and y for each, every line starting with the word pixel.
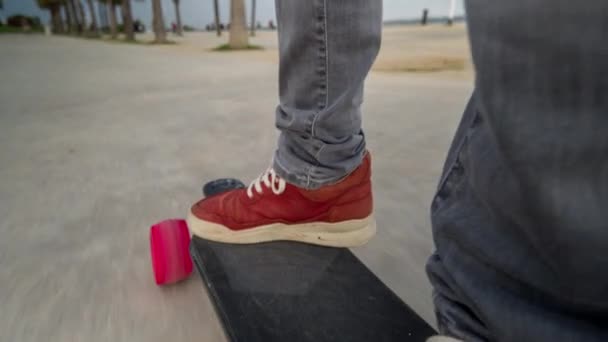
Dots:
pixel 303 179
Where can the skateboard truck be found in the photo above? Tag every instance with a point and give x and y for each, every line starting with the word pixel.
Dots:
pixel 170 240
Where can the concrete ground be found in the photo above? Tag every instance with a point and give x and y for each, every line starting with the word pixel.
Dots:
pixel 99 140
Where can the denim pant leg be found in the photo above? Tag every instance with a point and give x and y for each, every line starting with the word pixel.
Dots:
pixel 326 49
pixel 520 218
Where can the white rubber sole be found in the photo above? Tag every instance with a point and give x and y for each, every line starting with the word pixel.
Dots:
pixel 350 233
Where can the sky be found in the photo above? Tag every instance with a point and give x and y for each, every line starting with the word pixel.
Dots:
pixel 199 13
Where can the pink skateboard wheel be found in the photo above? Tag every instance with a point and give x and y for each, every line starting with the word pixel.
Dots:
pixel 169 246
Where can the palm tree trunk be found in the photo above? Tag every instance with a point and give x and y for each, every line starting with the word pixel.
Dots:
pixel 253 18
pixel 178 18
pixel 56 19
pixel 238 29
pixel 83 18
pixel 127 20
pixel 160 36
pixel 112 13
pixel 69 16
pixel 76 21
pixel 68 19
pixel 75 16
pixel 94 26
pixel 216 11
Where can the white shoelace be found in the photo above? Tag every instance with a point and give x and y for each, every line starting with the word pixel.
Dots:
pixel 270 180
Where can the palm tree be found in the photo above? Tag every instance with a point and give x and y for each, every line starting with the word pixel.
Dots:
pixel 74 16
pixel 70 16
pixel 54 7
pixel 216 11
pixel 94 27
pixel 238 29
pixel 127 20
pixel 111 9
pixel 68 19
pixel 178 18
pixel 82 18
pixel 253 18
pixel 113 22
pixel 160 35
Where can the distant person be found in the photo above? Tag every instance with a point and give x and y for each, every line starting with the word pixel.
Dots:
pixel 271 25
pixel 138 26
pixel 520 216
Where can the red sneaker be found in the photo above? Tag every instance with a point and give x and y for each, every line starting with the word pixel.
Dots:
pixel 338 215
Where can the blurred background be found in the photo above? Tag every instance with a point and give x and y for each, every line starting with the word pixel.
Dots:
pixel 114 113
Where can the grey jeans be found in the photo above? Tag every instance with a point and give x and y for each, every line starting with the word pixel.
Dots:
pixel 326 50
pixel 520 218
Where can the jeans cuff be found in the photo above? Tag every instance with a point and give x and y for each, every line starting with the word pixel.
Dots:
pixel 300 173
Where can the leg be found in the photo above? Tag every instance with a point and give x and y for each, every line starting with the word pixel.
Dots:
pixel 319 187
pixel 326 50
pixel 519 219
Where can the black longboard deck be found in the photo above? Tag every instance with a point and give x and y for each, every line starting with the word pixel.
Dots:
pixel 285 291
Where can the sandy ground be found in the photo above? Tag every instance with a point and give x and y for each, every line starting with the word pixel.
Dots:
pixel 98 141
pixel 404 48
